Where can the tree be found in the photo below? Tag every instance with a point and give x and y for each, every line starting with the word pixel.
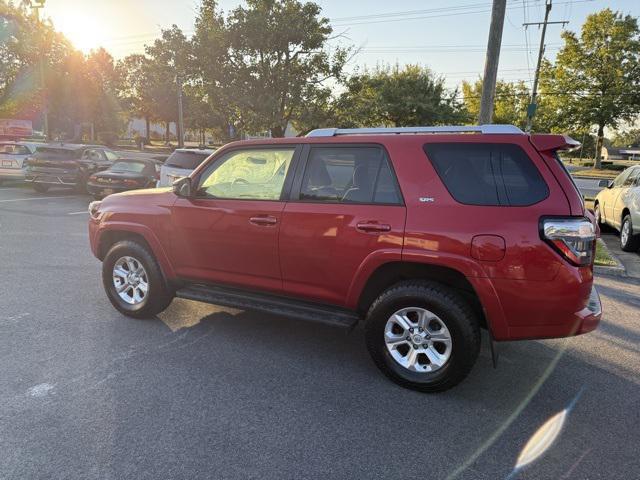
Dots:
pixel 511 100
pixel 628 138
pixel 135 71
pixel 277 60
pixel 596 77
pixel 398 97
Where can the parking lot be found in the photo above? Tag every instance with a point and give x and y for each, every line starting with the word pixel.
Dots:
pixel 206 392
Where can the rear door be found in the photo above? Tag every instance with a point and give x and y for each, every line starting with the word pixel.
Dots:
pixel 345 209
pixel 228 232
pixel 624 196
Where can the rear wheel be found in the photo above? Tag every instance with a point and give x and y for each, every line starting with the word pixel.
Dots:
pixel 134 282
pixel 628 241
pixel 41 187
pixel 422 335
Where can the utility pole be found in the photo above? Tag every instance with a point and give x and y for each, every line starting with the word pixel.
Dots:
pixel 180 131
pixel 531 110
pixel 491 62
pixel 36 5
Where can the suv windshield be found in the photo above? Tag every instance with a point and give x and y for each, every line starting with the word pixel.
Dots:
pixel 186 160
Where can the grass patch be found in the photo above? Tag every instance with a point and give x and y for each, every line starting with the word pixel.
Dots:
pixel 603 257
pixel 604 174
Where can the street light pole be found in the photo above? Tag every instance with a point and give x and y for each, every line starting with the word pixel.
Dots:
pixel 491 62
pixel 36 5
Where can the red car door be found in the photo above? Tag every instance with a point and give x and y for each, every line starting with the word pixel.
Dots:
pixel 228 232
pixel 346 213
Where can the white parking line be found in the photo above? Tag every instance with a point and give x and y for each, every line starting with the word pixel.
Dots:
pixel 78 213
pixel 37 198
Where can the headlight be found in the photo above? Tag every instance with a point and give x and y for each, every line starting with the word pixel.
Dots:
pixel 94 209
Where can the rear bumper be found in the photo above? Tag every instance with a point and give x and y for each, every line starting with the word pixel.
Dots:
pixel 521 310
pixel 51 179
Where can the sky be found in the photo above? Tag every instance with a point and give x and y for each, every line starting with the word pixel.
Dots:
pixel 448 37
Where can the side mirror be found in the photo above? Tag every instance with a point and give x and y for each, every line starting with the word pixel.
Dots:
pixel 182 187
pixel 603 183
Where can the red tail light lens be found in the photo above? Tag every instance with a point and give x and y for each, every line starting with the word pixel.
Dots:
pixel 93 178
pixel 574 238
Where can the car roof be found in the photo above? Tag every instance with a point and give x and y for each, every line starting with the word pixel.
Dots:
pixel 208 151
pixel 70 146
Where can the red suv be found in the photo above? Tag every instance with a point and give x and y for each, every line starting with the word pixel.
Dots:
pixel 425 234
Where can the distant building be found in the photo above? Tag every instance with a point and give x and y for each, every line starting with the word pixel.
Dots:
pixel 623 153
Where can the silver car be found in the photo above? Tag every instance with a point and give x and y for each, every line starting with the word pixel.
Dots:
pixel 12 157
pixel 181 163
pixel 618 206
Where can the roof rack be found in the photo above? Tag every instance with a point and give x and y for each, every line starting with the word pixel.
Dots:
pixel 493 129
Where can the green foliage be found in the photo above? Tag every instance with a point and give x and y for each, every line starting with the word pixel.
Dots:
pixel 628 138
pixel 394 96
pixel 596 77
pixel 511 100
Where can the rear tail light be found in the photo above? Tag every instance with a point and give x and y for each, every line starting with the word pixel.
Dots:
pixel 93 178
pixel 574 238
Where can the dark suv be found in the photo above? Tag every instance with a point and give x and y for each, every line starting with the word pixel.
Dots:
pixel 425 234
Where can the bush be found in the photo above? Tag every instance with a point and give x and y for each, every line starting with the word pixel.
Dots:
pixel 110 139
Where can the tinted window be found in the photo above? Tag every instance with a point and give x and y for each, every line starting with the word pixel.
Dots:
pixel 111 155
pixel 10 149
pixel 487 174
pixel 255 174
pixel 619 180
pixel 57 153
pixel 136 167
pixel 349 175
pixel 186 160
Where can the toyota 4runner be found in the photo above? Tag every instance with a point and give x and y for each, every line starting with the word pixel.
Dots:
pixel 424 234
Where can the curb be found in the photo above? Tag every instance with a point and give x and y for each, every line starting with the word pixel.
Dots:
pixel 618 270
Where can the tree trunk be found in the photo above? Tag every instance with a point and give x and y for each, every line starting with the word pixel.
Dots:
pixel 277 131
pixel 599 142
pixel 147 130
pixel 167 132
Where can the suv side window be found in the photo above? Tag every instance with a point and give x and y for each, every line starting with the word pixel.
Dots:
pixel 250 174
pixel 349 174
pixel 491 174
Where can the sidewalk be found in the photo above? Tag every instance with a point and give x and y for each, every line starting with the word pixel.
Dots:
pixel 631 261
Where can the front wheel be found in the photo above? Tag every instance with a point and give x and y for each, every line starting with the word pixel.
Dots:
pixel 628 241
pixel 422 335
pixel 598 215
pixel 134 282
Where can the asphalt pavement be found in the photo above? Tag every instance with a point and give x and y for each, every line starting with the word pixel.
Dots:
pixel 213 393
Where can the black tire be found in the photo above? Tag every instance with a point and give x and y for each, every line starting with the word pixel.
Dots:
pixel 451 309
pixel 598 215
pixel 158 296
pixel 632 243
pixel 41 187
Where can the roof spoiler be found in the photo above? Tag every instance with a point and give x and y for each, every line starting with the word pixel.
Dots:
pixel 550 142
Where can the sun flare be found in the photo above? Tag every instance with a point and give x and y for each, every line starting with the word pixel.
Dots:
pixel 85 32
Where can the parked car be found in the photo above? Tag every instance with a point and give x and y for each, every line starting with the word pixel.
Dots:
pixel 181 163
pixel 618 206
pixel 12 157
pixel 424 234
pixel 67 165
pixel 123 175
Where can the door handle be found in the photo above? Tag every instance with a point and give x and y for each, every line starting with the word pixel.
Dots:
pixel 264 221
pixel 373 227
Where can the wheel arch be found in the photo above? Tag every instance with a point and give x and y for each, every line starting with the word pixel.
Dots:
pixel 390 273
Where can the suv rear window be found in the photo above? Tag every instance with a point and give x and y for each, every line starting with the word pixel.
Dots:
pixel 490 174
pixel 57 153
pixel 186 160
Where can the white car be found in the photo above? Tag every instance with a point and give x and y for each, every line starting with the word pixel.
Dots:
pixel 618 206
pixel 181 163
pixel 12 157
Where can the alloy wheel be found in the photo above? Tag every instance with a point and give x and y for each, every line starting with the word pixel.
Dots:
pixel 418 340
pixel 625 232
pixel 130 280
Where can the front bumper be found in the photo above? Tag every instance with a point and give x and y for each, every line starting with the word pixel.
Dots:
pixel 12 174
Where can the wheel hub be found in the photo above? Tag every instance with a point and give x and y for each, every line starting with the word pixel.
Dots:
pixel 130 280
pixel 418 340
